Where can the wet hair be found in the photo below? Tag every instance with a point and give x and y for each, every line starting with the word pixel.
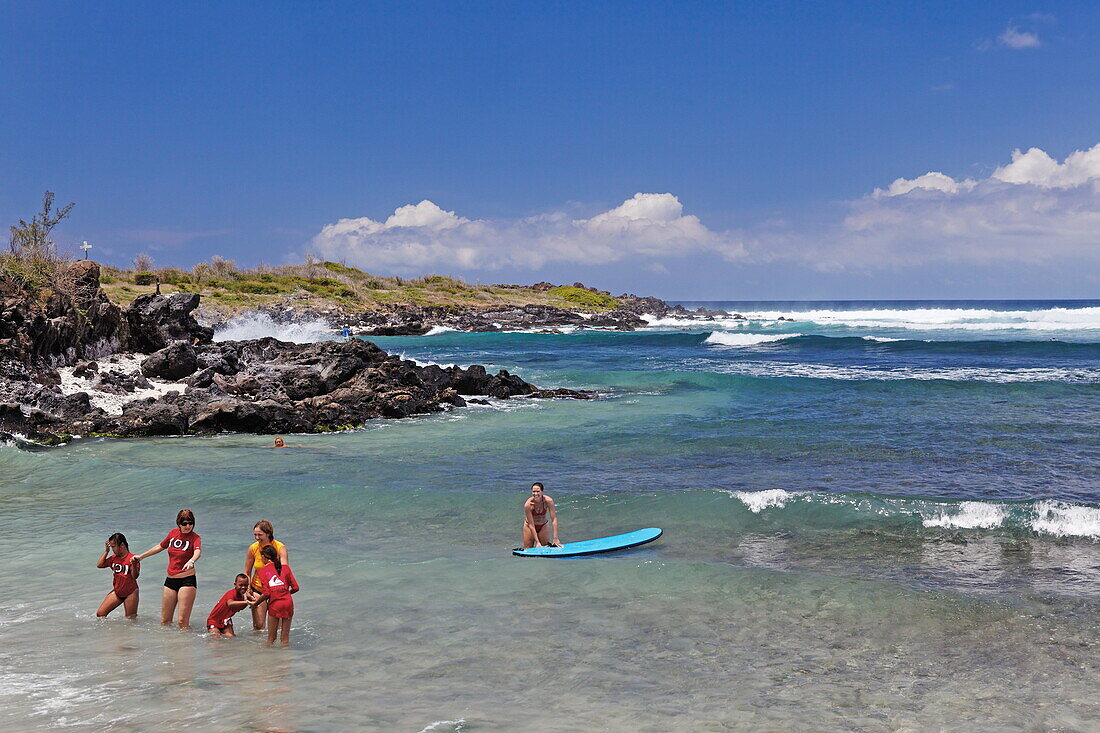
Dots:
pixel 239 576
pixel 185 514
pixel 272 556
pixel 265 526
pixel 539 484
pixel 118 539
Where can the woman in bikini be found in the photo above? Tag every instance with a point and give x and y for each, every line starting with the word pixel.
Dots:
pixel 184 548
pixel 539 515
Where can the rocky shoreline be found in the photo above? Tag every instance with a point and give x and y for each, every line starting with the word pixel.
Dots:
pixel 403 319
pixel 82 366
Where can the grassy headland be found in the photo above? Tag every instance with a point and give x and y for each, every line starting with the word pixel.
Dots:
pixel 230 290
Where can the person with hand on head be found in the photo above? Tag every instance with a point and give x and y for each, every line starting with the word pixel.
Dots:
pixel 254 560
pixel 184 548
pixel 278 584
pixel 220 620
pixel 126 568
pixel 539 515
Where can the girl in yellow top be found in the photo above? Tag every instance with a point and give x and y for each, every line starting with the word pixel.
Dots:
pixel 254 560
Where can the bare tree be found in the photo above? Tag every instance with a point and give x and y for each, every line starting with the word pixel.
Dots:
pixel 143 263
pixel 33 239
pixel 221 267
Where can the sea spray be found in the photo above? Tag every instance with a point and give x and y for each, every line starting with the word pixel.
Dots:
pixel 256 325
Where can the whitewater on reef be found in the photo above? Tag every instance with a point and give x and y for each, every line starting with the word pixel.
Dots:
pixel 874 515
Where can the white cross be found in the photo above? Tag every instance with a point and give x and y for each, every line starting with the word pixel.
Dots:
pixel 85 247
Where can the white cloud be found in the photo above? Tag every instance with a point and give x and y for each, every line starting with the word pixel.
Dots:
pixel 1031 210
pixel 413 239
pixel 930 181
pixel 1038 168
pixel 1016 39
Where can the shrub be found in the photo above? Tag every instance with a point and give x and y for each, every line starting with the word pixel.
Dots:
pixel 580 296
pixel 144 278
pixel 259 288
pixel 172 276
pixel 32 260
pixel 343 269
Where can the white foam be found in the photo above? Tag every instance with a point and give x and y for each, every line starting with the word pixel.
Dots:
pixel 420 363
pixel 722 338
pixel 258 325
pixel 779 369
pixel 456 725
pixel 758 501
pixel 881 339
pixel 436 330
pixel 1066 520
pixel 921 319
pixel 112 404
pixel 969 515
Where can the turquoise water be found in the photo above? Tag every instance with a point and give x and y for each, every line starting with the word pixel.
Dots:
pixel 860 534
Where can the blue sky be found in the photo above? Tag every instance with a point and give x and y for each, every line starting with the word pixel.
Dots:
pixel 757 134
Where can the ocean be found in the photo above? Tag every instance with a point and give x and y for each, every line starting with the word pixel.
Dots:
pixel 878 516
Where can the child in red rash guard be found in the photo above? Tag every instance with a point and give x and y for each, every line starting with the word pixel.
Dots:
pixel 124 591
pixel 277 583
pixel 220 620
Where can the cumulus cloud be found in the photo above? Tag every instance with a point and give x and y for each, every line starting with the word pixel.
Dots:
pixel 648 226
pixel 1016 39
pixel 1032 209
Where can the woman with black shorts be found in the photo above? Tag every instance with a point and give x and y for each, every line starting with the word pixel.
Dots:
pixel 184 547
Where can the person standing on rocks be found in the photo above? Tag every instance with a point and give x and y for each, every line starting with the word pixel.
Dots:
pixel 184 548
pixel 539 515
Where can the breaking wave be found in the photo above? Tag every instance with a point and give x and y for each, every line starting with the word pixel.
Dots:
pixel 259 325
pixel 1045 517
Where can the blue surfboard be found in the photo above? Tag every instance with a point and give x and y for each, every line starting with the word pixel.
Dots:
pixel 592 547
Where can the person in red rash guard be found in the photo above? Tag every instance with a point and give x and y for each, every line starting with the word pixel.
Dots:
pixel 184 549
pixel 277 585
pixel 126 567
pixel 220 620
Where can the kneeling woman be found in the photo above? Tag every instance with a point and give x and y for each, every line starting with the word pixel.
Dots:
pixel 277 583
pixel 184 548
pixel 125 565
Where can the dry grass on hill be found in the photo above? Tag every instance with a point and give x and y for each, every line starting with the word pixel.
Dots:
pixel 319 284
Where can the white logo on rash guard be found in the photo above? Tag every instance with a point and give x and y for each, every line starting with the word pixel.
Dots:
pixel 121 569
pixel 275 581
pixel 178 544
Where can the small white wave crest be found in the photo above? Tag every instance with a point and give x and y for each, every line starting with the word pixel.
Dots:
pixel 969 515
pixel 1066 520
pixel 758 501
pixel 440 725
pixel 724 338
pixel 258 325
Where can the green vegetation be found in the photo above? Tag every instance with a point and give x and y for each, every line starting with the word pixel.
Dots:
pixel 32 260
pixel 585 298
pixel 226 287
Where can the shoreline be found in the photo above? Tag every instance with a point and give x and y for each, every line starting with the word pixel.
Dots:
pixel 85 367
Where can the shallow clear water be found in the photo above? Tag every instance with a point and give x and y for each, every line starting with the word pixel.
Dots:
pixel 859 534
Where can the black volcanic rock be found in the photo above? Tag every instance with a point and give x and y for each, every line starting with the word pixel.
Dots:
pixel 173 362
pixel 158 320
pixel 257 386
